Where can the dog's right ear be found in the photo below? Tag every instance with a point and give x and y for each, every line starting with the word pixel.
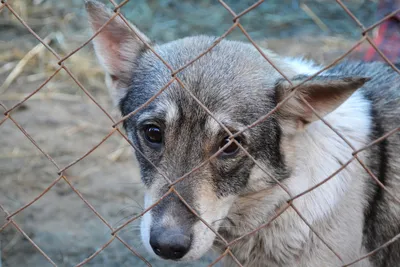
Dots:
pixel 116 46
pixel 323 93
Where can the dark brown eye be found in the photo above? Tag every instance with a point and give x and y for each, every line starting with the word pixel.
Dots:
pixel 232 148
pixel 153 134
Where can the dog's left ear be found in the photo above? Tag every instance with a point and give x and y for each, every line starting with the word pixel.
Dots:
pixel 323 93
pixel 116 46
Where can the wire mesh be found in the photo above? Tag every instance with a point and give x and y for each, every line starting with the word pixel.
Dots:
pixel 114 129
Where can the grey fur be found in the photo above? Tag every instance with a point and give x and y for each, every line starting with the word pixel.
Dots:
pixel 238 86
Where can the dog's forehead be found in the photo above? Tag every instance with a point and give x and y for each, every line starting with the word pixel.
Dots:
pixel 231 79
pixel 232 64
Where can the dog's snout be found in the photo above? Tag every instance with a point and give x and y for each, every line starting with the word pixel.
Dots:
pixel 171 244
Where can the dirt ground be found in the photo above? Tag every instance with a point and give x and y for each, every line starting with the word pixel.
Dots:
pixel 66 124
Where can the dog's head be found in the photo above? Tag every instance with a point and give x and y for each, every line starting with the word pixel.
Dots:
pixel 177 134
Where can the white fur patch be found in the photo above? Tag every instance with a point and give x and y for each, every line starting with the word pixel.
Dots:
pixel 325 153
pixel 145 225
pixel 168 108
pixel 171 112
pixel 212 126
pixel 303 66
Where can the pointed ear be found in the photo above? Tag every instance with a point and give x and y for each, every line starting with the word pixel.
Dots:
pixel 323 93
pixel 116 46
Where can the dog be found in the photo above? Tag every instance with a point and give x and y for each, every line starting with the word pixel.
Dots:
pixel 289 152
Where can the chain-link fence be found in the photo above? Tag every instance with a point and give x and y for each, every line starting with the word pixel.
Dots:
pixel 115 130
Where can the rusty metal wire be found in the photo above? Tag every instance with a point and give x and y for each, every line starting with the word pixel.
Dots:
pixel 61 174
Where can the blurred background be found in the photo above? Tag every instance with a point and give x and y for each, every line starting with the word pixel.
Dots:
pixel 66 124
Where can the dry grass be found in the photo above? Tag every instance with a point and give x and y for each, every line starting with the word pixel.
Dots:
pixel 24 59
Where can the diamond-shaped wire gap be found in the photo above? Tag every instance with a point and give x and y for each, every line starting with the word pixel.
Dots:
pixel 33 93
pixel 31 249
pixel 108 178
pixel 35 199
pixel 54 125
pixel 68 232
pixel 99 216
pixel 79 61
pixel 25 170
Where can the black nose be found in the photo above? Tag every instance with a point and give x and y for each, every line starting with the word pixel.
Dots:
pixel 170 244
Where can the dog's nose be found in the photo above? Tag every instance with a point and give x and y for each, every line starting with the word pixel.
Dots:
pixel 170 244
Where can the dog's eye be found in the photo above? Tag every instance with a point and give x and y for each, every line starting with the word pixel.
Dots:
pixel 153 134
pixel 232 148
